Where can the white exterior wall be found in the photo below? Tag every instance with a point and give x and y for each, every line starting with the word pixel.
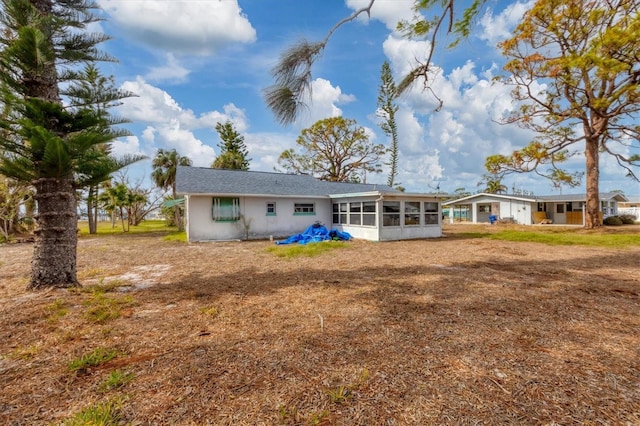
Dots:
pixel 357 231
pixel 517 210
pixel 408 232
pixel 390 233
pixel 200 225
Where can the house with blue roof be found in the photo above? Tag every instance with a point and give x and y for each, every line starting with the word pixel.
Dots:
pixel 223 204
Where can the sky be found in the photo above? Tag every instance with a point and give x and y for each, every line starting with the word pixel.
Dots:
pixel 194 63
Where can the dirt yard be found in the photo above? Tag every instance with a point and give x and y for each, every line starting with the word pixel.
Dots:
pixel 456 330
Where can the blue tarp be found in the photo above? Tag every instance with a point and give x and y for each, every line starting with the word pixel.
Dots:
pixel 316 233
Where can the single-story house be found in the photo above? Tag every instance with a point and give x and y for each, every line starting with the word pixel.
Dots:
pixel 233 204
pixel 631 207
pixel 529 209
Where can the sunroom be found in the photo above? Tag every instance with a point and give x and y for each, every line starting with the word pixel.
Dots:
pixel 387 217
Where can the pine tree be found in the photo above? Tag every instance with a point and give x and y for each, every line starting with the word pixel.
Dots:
pixel 387 109
pixel 233 152
pixel 46 143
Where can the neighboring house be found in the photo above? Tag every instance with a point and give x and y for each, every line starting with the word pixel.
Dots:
pixel 233 204
pixel 530 209
pixel 631 206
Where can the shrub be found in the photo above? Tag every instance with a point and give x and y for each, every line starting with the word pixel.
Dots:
pixel 628 219
pixel 613 221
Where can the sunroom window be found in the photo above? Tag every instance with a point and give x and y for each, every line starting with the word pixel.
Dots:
pixel 431 213
pixel 412 213
pixel 391 213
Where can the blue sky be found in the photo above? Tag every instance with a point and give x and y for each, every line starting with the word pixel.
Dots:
pixel 194 63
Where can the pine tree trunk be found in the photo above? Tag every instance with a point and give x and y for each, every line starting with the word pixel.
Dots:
pixel 592 210
pixel 54 255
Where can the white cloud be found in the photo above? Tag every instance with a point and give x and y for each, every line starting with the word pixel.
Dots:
pixel 404 54
pixel 388 12
pixel 324 102
pixel 168 125
pixel 498 28
pixel 171 71
pixel 449 145
pixel 182 27
pixel 127 146
pixel 265 148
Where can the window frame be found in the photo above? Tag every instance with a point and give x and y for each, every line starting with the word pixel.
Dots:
pixel 355 213
pixel 271 205
pixel 304 209
pixel 369 215
pixel 411 213
pixel 392 216
pixel 217 204
pixel 429 214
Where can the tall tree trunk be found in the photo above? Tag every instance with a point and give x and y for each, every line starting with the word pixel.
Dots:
pixel 176 211
pixel 592 210
pixel 92 209
pixel 54 255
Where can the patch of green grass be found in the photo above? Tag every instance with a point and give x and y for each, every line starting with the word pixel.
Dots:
pixel 90 273
pixel 102 308
pixel 309 250
pixel 340 394
pixel 176 236
pixel 105 228
pixel 107 413
pixel 288 415
pixel 94 358
pixel 316 419
pixel 25 353
pixel 57 310
pixel 116 379
pixel 103 287
pixel 562 238
pixel 210 310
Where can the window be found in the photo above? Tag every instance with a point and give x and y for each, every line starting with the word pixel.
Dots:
pixel 431 213
pixel 226 209
pixel 569 206
pixel 540 207
pixel 304 208
pixel 369 213
pixel 484 208
pixel 340 213
pixel 271 209
pixel 412 213
pixel 355 213
pixel 343 213
pixel 391 213
pixel 559 208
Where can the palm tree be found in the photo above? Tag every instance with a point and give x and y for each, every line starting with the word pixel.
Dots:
pixel 493 184
pixel 114 199
pixel 164 166
pixel 46 143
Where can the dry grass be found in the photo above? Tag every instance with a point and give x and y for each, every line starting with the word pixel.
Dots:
pixel 449 331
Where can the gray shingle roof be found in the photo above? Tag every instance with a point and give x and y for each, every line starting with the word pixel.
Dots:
pixel 581 197
pixel 200 180
pixel 604 196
